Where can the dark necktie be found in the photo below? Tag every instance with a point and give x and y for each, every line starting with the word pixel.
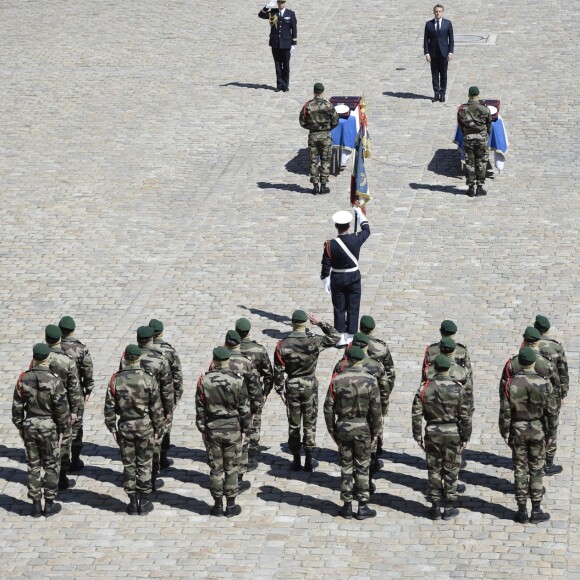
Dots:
pixel 438 27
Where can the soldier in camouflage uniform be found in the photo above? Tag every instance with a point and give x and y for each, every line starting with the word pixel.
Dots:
pixel 134 415
pixel 263 367
pixel 445 407
pixel 352 411
pixel 41 414
pixel 64 366
pixel 379 350
pixel 296 357
pixel 223 419
pixel 554 352
pixel 155 363
pixel 177 377
pixel 319 117
pixel 528 414
pixel 80 354
pixel 474 120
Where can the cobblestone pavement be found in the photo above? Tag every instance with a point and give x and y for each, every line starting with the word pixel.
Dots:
pixel 148 169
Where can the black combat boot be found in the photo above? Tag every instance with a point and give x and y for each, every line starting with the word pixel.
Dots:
pixel 372 486
pixel 324 188
pixel 36 508
pixel 435 511
pixel 145 506
pixel 63 482
pixel 164 462
pixel 316 189
pixel 232 509
pixel 450 511
pixel 218 508
pixel 551 469
pixel 296 464
pixel 480 191
pixel 461 488
pixel 346 510
pixel 308 464
pixel 376 463
pixel 522 514
pixel 243 485
pixel 76 462
pixel 537 514
pixel 252 461
pixel 51 508
pixel 133 505
pixel 471 191
pixel 364 511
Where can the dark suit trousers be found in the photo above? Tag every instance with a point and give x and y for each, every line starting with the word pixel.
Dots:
pixel 282 62
pixel 439 73
pixel 346 294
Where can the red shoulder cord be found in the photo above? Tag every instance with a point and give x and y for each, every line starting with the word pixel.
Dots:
pixel 425 362
pixel 331 387
pixel 327 248
pixel 424 389
pixel 199 389
pixel 278 355
pixel 305 110
pixel 19 382
pixel 112 388
pixel 509 379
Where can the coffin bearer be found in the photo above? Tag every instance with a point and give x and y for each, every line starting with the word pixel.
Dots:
pixel 80 354
pixel 40 412
pixel 177 377
pixel 319 117
pixel 283 36
pixel 340 272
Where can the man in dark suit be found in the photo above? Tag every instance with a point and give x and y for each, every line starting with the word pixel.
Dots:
pixel 438 49
pixel 283 36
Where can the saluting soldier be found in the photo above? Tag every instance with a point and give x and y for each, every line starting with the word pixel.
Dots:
pixel 296 357
pixel 320 118
pixel 79 352
pixel 352 411
pixel 177 378
pixel 223 419
pixel 134 415
pixel 40 412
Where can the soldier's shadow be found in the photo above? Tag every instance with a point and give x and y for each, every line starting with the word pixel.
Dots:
pixel 102 474
pixel 283 319
pixel 269 493
pixel 13 474
pixel 284 187
pixel 249 86
pixel 179 452
pixel 174 500
pixel 405 459
pixel 486 458
pixel 300 163
pixel 446 162
pixel 443 188
pixel 13 453
pixel 407 506
pixel 92 499
pixel 106 451
pixel 402 95
pixel 14 505
pixel 187 476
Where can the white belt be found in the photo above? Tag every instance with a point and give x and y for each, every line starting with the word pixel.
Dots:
pixel 349 254
pixel 344 271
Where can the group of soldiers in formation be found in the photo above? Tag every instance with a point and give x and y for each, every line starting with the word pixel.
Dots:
pixel 141 396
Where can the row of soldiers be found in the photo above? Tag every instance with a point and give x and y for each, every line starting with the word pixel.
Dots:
pixel 142 396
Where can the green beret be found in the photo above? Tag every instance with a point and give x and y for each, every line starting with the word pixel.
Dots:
pixel 40 351
pixel 67 323
pixel 243 325
pixel 443 362
pixel 221 353
pixel 299 316
pixel 447 344
pixel 448 327
pixel 532 334
pixel 361 339
pixel 52 333
pixel 145 333
pixel 232 337
pixel 156 325
pixel 527 356
pixel 132 352
pixel 367 323
pixel 355 353
pixel 473 91
pixel 318 88
pixel 542 323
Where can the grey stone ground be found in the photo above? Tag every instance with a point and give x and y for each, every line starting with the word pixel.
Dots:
pixel 147 171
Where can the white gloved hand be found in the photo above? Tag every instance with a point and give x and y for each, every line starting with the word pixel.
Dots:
pixel 326 284
pixel 361 217
pixel 271 4
pixel 292 48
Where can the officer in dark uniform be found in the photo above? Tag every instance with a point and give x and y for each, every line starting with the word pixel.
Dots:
pixel 283 36
pixel 340 273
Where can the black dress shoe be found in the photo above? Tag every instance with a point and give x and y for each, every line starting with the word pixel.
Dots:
pixel 442 98
pixel 286 89
pixel 277 89
pixel 435 99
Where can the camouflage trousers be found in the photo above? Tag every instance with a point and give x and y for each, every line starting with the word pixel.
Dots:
pixel 553 447
pixel 254 439
pixel 42 451
pixel 302 409
pixel 137 452
pixel 65 449
pixel 528 452
pixel 224 447
pixel 160 448
pixel 476 156
pixel 76 436
pixel 442 444
pixel 319 144
pixel 355 459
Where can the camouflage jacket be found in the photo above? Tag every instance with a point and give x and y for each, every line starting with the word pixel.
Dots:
pixel 174 366
pixel 474 118
pixel 318 115
pixel 528 396
pixel 554 352
pixel 133 395
pixel 39 394
pixel 297 354
pixel 443 404
pixel 64 366
pixel 353 404
pixel 542 366
pixel 155 363
pixel 261 361
pixel 374 368
pixel 221 402
pixel 379 350
pixel 460 356
pixel 80 354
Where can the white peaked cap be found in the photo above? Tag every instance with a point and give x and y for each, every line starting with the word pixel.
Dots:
pixel 342 217
pixel 341 109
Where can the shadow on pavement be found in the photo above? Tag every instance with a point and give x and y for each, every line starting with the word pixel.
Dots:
pixel 269 493
pixel 405 459
pixel 13 453
pixel 249 86
pixel 13 475
pixel 406 95
pixel 14 505
pixel 186 476
pixel 300 163
pixel 446 162
pixel 443 188
pixel 98 473
pixel 284 187
pixel 486 458
pixel 92 499
pixel 178 452
pixel 269 315
pixel 174 500
pixel 107 451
